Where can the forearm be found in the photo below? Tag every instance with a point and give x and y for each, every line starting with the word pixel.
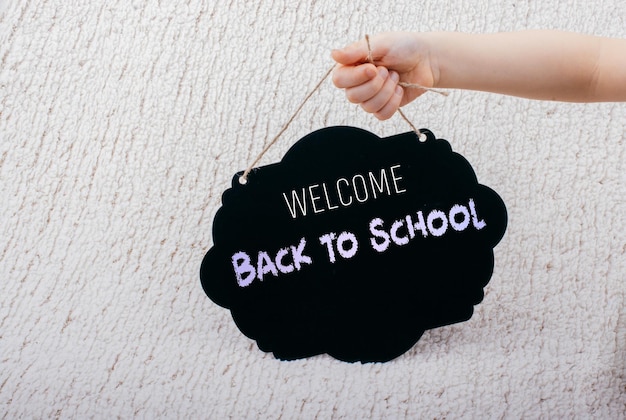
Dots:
pixel 533 64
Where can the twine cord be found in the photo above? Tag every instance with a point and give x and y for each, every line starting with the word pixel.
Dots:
pixel 422 137
pixel 244 178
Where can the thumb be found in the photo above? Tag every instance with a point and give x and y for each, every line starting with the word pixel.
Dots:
pixel 355 53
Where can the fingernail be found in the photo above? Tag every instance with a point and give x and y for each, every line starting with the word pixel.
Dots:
pixel 399 91
pixel 395 76
pixel 383 72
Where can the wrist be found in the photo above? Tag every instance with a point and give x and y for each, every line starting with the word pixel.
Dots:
pixel 429 46
pixel 441 57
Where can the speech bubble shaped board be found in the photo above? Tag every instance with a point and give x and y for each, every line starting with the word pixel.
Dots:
pixel 353 245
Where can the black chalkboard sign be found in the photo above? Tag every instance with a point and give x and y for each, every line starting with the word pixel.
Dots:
pixel 353 245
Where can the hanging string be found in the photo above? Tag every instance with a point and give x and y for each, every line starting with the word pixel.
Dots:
pixel 244 177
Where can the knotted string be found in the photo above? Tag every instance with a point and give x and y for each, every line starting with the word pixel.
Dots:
pixel 244 177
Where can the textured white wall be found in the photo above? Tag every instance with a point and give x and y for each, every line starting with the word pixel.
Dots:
pixel 122 122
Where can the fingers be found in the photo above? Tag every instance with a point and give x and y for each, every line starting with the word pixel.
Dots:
pixel 392 106
pixel 366 91
pixel 387 101
pixel 346 77
pixel 375 89
pixel 352 54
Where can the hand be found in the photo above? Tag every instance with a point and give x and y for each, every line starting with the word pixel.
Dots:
pixel 397 57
